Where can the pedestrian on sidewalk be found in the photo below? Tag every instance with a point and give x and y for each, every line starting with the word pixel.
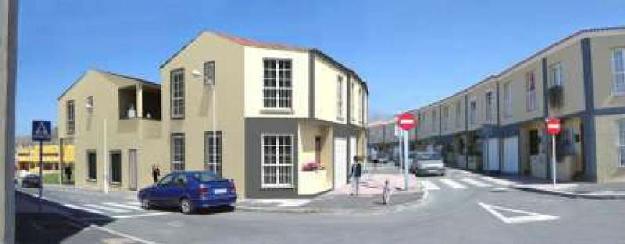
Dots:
pixel 356 173
pixel 156 172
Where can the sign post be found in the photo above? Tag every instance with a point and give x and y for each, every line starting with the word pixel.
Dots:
pixel 553 129
pixel 406 122
pixel 41 131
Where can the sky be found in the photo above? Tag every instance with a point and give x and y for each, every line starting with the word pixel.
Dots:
pixel 410 53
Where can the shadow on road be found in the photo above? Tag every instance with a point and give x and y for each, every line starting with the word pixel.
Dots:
pixel 53 223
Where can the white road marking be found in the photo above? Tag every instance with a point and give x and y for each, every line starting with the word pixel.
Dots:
pixel 114 210
pixel 475 182
pixel 114 232
pixel 430 186
pixel 83 208
pixel 123 206
pixel 134 203
pixel 498 181
pixel 284 202
pixel 524 218
pixel 453 184
pixel 140 215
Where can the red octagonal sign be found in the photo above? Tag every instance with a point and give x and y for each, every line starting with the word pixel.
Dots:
pixel 553 126
pixel 406 121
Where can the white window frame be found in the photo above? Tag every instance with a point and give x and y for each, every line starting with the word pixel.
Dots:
pixel 360 107
pixel 489 102
pixel 434 114
pixel 446 118
pixel 556 74
pixel 71 117
pixel 178 158
pixel 263 164
pixel 177 94
pixel 352 105
pixel 530 97
pixel 283 92
pixel 209 72
pixel 615 73
pixel 507 99
pixel 621 142
pixel 340 103
pixel 458 114
pixel 213 151
pixel 473 111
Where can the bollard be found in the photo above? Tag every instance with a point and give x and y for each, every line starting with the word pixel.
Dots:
pixel 386 193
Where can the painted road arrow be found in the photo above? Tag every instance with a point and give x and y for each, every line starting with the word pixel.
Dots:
pixel 520 217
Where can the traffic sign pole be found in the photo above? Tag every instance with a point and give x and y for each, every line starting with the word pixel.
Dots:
pixel 41 131
pixel 40 173
pixel 553 159
pixel 405 137
pixel 406 122
pixel 553 129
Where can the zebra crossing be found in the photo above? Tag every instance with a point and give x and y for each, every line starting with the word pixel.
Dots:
pixel 464 183
pixel 127 209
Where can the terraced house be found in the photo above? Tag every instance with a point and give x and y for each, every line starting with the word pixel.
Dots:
pixel 283 121
pixel 498 124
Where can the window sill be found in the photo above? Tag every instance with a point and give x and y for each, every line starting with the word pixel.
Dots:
pixel 276 111
pixel 92 180
pixel 277 187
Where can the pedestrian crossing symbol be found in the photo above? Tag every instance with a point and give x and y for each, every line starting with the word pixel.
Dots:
pixel 41 130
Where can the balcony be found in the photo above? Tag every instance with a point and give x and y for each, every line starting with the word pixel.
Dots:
pixel 139 102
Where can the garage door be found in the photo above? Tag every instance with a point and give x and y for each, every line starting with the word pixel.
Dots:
pixel 340 162
pixel 492 154
pixel 511 155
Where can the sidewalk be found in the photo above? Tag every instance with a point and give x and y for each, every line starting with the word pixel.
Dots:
pixel 339 201
pixel 578 190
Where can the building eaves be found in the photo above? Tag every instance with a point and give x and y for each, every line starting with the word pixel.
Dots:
pixel 108 73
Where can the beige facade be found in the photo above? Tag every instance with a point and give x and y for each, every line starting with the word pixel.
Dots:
pixel 576 79
pixel 266 104
pixel 102 125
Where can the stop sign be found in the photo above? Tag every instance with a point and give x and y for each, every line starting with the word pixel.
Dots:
pixel 406 121
pixel 553 126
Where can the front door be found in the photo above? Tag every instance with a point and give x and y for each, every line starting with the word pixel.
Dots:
pixel 116 167
pixel 132 169
pixel 511 155
pixel 492 154
pixel 340 162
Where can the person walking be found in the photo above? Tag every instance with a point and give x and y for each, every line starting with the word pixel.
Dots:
pixel 355 174
pixel 156 172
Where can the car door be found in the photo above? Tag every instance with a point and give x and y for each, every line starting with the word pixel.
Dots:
pixel 159 193
pixel 177 189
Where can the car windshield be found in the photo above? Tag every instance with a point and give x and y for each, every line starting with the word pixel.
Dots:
pixel 204 176
pixel 428 156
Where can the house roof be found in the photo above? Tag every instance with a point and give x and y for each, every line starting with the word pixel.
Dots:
pixel 270 45
pixel 525 60
pixel 118 79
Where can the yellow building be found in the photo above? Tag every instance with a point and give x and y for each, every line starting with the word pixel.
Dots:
pixel 27 157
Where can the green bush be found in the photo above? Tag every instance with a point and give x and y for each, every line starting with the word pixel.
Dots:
pixel 51 178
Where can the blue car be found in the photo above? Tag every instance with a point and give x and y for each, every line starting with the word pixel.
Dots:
pixel 189 191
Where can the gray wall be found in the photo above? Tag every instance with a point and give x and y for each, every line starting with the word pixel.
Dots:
pixel 8 50
pixel 254 127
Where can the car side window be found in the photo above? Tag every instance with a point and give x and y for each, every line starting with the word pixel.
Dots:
pixel 166 180
pixel 181 179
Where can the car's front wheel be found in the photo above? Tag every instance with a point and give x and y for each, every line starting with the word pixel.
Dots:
pixel 185 206
pixel 145 204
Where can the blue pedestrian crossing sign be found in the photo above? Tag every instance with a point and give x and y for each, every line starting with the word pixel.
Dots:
pixel 42 130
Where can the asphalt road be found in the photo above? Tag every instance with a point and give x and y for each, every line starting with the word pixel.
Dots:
pixel 459 211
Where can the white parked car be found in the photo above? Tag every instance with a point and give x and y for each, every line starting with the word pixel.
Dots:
pixel 427 163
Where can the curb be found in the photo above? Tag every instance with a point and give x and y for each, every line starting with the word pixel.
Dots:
pixel 365 211
pixel 572 194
